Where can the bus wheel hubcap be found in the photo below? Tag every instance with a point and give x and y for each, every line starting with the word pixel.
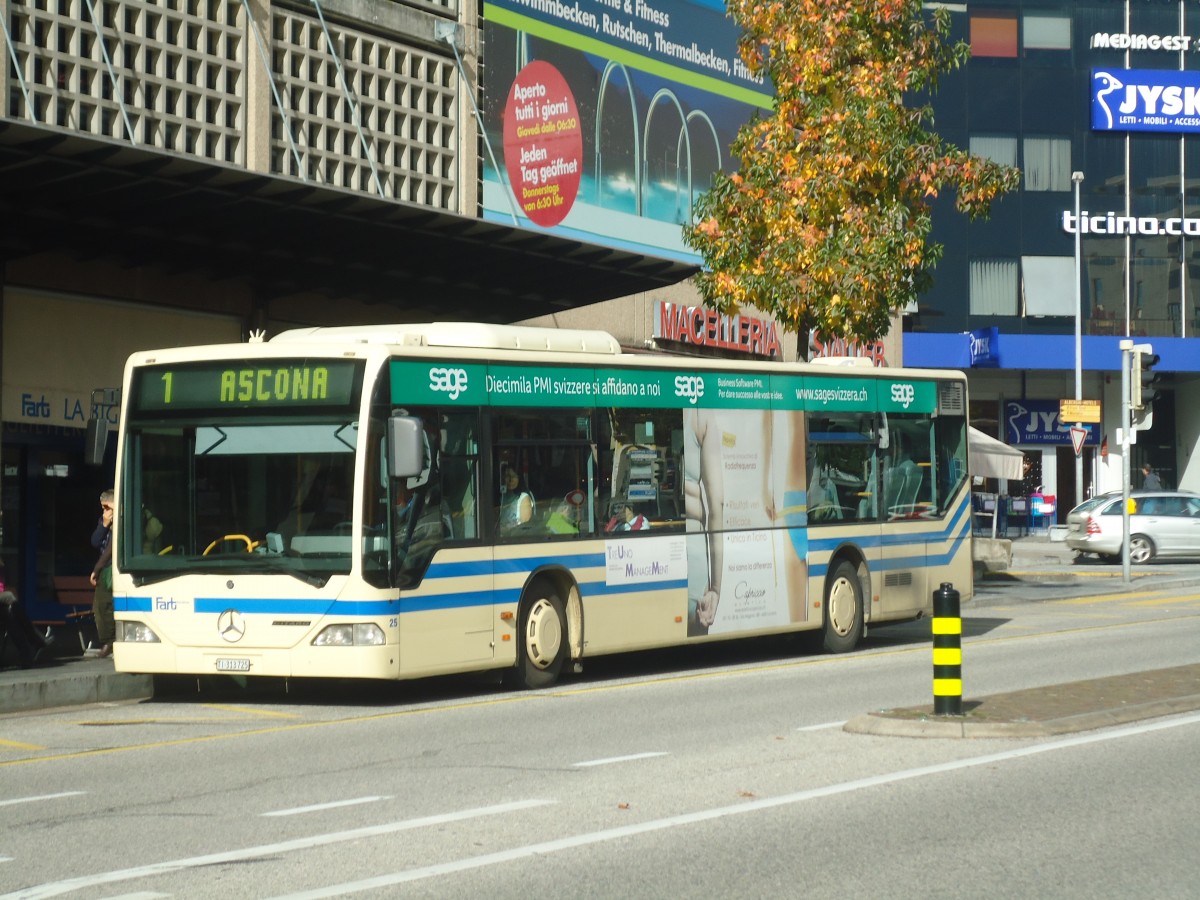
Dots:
pixel 841 606
pixel 543 634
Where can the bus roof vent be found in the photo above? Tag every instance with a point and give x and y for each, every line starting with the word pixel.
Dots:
pixel 520 337
pixel 466 335
pixel 851 362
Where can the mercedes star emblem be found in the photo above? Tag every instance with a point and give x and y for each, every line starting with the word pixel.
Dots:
pixel 231 626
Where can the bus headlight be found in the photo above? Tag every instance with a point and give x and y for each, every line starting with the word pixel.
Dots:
pixel 362 635
pixel 136 632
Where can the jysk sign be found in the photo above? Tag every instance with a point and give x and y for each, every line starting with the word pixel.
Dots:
pixel 1038 422
pixel 985 348
pixel 1146 100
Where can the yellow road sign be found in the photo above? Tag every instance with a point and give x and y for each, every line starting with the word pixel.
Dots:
pixel 1079 411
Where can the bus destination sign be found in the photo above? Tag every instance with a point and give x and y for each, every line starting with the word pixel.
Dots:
pixel 233 384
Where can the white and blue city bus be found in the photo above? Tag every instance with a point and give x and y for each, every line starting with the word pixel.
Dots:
pixel 395 502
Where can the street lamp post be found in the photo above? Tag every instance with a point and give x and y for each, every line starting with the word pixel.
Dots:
pixel 1077 180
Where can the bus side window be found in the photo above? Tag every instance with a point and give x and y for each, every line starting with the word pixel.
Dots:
pixel 842 483
pixel 459 465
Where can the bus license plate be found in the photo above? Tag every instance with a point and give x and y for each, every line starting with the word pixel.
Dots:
pixel 233 665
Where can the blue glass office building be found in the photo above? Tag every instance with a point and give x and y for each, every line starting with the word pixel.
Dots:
pixel 1109 89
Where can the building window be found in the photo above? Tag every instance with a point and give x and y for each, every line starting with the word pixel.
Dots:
pixel 1046 33
pixel 1047 164
pixel 994 35
pixel 1048 285
pixel 997 148
pixel 993 287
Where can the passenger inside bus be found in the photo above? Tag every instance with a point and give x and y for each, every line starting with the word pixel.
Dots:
pixel 565 519
pixel 628 519
pixel 517 505
pixel 823 500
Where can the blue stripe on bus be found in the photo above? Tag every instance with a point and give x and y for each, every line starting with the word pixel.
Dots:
pixel 488 567
pixel 406 604
pixel 919 539
pixel 599 588
pixel 476 567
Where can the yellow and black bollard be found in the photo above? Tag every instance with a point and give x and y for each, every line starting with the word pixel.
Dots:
pixel 947 652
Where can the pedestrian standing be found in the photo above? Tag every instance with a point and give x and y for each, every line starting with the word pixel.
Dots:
pixel 1150 479
pixel 101 577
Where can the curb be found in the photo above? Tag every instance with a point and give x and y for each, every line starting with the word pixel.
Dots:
pixel 67 689
pixel 919 722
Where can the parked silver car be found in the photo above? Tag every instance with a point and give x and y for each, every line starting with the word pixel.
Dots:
pixel 1161 523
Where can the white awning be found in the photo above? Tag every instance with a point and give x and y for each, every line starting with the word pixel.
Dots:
pixel 990 458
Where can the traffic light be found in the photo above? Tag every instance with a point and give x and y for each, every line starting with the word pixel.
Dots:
pixel 1143 386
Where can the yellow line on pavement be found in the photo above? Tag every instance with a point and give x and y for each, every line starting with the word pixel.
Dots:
pixel 17 745
pixel 280 729
pixel 1131 595
pixel 1073 574
pixel 1164 601
pixel 253 712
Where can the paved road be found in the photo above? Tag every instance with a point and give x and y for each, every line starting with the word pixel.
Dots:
pixel 1042 570
pixel 718 772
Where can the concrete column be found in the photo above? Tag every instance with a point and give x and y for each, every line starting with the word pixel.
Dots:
pixel 259 101
pixel 469 191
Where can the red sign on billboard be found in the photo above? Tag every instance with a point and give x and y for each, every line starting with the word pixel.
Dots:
pixel 543 143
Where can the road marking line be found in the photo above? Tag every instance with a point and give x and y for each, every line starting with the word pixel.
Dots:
pixel 320 807
pixel 1137 596
pixel 619 759
pixel 17 745
pixel 85 882
pixel 252 712
pixel 822 726
pixel 37 799
pixel 274 729
pixel 596 837
pixel 1166 601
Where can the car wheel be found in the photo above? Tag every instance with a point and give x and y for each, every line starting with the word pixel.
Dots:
pixel 1141 549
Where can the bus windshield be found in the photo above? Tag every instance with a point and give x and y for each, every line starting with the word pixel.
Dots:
pixel 238 490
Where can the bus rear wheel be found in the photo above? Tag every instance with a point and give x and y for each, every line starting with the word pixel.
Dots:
pixel 542 644
pixel 843 608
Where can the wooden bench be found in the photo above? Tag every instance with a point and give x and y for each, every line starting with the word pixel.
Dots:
pixel 74 593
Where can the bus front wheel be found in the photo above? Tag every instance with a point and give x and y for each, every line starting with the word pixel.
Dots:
pixel 843 608
pixel 543 640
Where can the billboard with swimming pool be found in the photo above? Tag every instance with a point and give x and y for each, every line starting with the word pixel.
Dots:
pixel 608 118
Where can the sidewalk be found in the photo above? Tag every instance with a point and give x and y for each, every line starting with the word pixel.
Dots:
pixel 1042 569
pixel 69 681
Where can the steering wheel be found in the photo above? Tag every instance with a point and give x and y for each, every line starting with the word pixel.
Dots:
pixel 245 539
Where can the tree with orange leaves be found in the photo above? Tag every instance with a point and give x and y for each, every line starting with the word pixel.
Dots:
pixel 825 224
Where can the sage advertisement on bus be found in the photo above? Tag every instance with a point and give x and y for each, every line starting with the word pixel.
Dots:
pixel 606 119
pixel 497 384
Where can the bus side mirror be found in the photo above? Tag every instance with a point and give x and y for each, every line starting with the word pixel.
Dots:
pixel 406 446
